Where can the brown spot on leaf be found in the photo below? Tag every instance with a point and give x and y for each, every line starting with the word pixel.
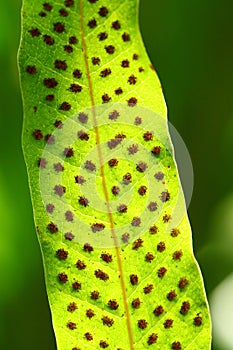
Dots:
pixel 159 176
pixel 197 321
pixel 68 152
pixel 132 80
pixel 50 208
pixel 137 244
pixel 125 237
pixel 77 74
pixel 63 278
pixel 185 308
pixel 103 11
pixel 158 310
pixel 83 135
pixel 148 288
pixel 152 339
pixel 115 190
pixel 37 134
pixel 47 7
pixel 58 124
pixel 83 201
pixel 95 60
pixel 76 285
pixel 113 115
pixel 113 162
pixel 176 345
pixel 69 3
pixel 133 279
pixel 62 254
pixel 142 324
pixel 59 190
pixel 116 25
pixel 34 32
pixel 80 265
pixel 59 64
pixel 92 23
pixel 106 257
pixel 168 323
pixel 95 295
pixel 63 13
pixel 68 48
pixel 107 321
pixel 153 229
pixel 75 88
pixel 83 117
pixel 133 149
pixel 65 106
pixel 118 91
pixel 69 236
pixel 166 218
pixel 69 216
pixel 152 206
pixel 161 272
pixel 136 303
pixel 183 283
pixel 42 162
pixel 135 56
pixel 141 167
pixel 165 196
pixel 106 98
pixel 50 139
pixel 136 221
pixel 101 275
pixel 48 40
pixel 73 40
pixel 156 151
pixel 175 232
pixel 58 167
pixel 97 227
pixel 31 70
pixel 132 101
pixel 104 73
pixel 90 313
pixel 79 180
pixel 49 98
pixel 59 27
pixel 171 295
pixel 177 255
pixel 110 49
pixel 113 304
pixel 72 307
pixel 104 344
pixel 125 37
pixel 102 36
pixel 122 208
pixel 88 248
pixel 161 247
pixel 148 136
pixel 71 325
pixel 138 121
pixel 88 336
pixel 149 257
pixel 52 227
pixel 50 83
pixel 142 190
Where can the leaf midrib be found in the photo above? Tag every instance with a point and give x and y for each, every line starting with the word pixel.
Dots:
pixel 119 262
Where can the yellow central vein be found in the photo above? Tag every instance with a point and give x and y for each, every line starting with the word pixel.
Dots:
pixel 126 306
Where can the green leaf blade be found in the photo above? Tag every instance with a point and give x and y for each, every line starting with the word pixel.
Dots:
pixel 119 267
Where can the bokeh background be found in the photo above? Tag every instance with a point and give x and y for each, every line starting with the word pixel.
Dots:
pixel 191 45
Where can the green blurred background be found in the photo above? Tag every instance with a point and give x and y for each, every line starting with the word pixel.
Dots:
pixel 190 44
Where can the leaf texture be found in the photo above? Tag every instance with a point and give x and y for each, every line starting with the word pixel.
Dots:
pixel 108 205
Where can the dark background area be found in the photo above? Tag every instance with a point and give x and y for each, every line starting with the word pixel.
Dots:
pixel 190 45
